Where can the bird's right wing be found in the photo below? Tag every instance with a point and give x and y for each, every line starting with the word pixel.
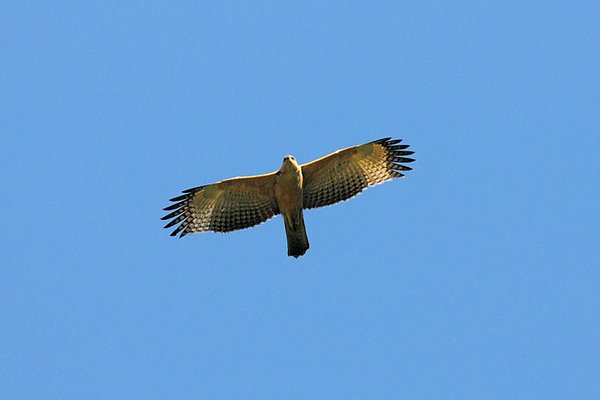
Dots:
pixel 224 206
pixel 345 173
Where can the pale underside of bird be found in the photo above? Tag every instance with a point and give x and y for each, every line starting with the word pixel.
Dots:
pixel 243 202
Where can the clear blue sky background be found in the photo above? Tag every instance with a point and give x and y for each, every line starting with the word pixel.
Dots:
pixel 476 277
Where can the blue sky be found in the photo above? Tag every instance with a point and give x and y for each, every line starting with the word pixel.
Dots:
pixel 476 277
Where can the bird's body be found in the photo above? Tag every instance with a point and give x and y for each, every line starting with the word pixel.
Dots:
pixel 243 202
pixel 288 196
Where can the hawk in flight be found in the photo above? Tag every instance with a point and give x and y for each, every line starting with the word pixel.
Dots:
pixel 242 202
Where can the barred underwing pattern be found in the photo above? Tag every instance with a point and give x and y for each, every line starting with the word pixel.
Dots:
pixel 334 179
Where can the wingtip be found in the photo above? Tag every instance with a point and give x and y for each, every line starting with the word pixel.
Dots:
pixel 179 198
pixel 171 223
pixel 382 140
pixel 190 190
pixel 174 206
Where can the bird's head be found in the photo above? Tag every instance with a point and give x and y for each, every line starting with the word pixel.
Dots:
pixel 289 162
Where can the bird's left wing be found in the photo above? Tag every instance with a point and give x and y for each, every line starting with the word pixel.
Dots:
pixel 224 206
pixel 345 173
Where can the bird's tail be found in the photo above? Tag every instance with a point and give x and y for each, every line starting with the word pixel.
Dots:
pixel 297 239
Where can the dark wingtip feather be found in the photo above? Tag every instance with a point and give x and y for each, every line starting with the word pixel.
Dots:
pixel 382 140
pixel 190 190
pixel 179 228
pixel 392 142
pixel 399 147
pixel 174 206
pixel 174 213
pixel 179 212
pixel 179 198
pixel 395 156
pixel 170 223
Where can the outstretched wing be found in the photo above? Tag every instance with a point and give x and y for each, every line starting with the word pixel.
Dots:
pixel 224 206
pixel 345 173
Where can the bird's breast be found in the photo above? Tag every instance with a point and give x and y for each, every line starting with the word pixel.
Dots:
pixel 288 190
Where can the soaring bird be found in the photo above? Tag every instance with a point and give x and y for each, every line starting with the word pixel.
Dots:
pixel 242 202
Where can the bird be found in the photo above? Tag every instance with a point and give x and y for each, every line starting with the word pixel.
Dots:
pixel 246 201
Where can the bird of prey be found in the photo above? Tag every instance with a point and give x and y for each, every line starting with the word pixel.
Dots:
pixel 242 202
